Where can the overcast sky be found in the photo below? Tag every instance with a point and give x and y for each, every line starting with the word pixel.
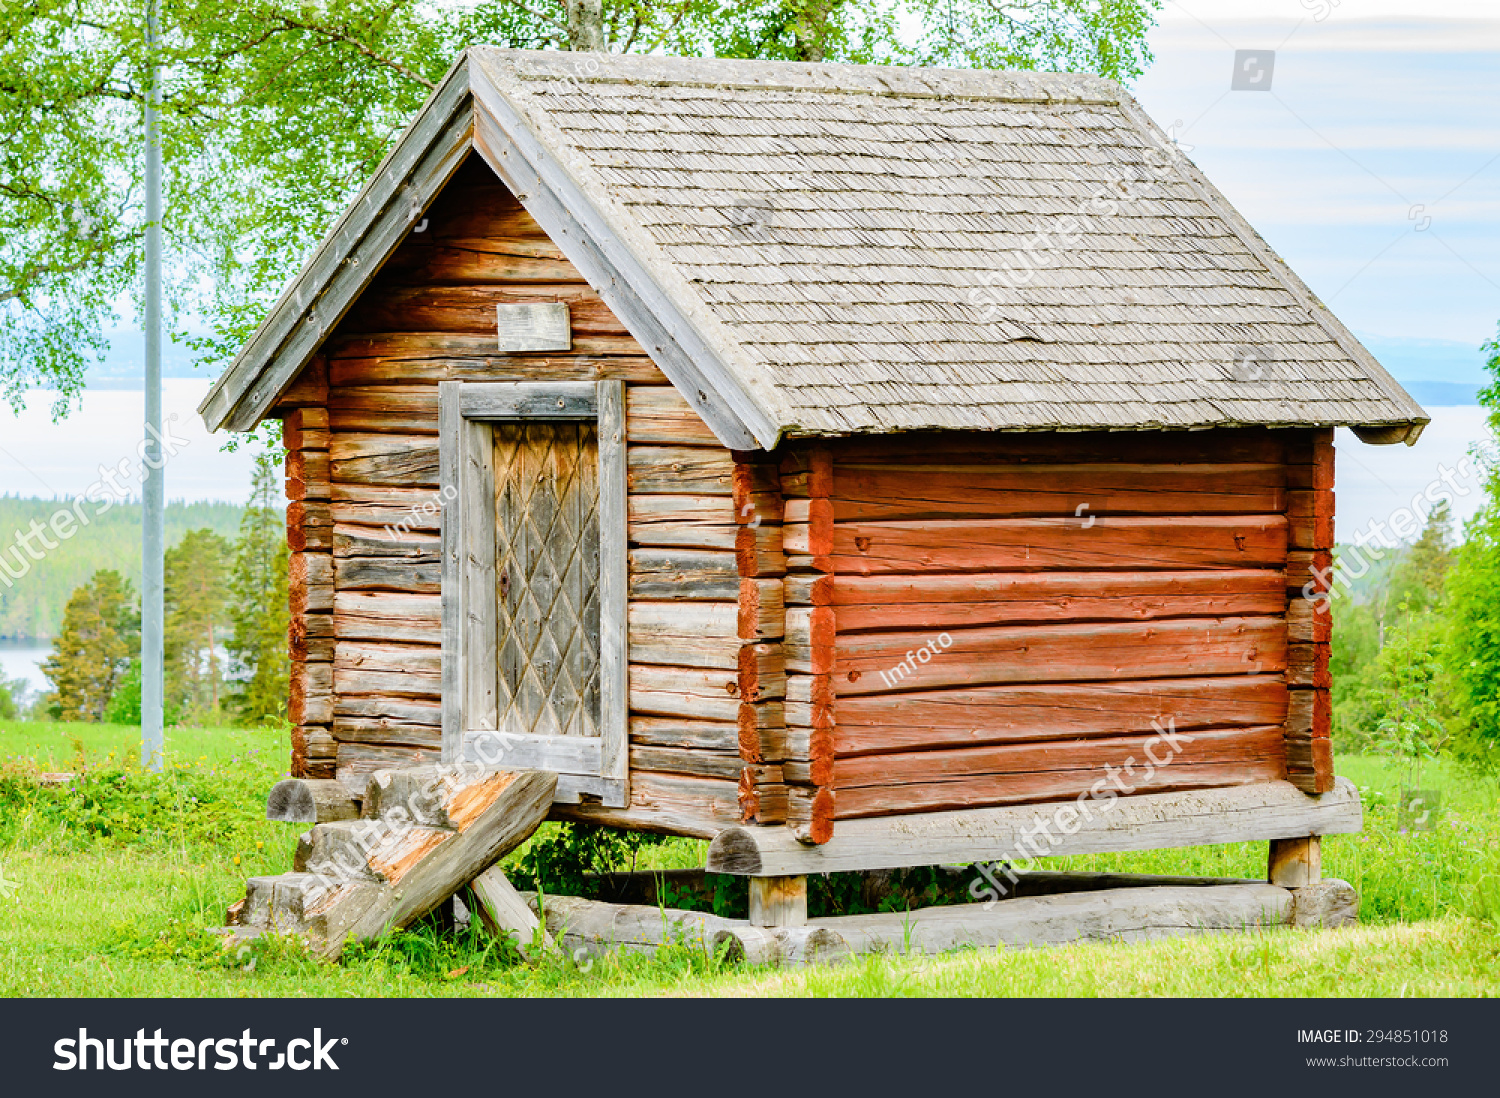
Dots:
pixel 1372 163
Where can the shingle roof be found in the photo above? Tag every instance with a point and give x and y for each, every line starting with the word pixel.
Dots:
pixel 861 234
pixel 876 249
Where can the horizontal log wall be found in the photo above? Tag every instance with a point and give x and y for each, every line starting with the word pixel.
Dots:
pixel 706 684
pixel 987 620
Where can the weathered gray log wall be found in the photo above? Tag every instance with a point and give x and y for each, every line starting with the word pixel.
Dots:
pixel 364 521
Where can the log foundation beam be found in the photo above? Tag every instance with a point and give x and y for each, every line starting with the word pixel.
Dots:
pixel 1247 813
pixel 307 800
pixel 1125 914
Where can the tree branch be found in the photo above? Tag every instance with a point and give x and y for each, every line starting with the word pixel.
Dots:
pixel 37 270
pixel 562 28
pixel 335 35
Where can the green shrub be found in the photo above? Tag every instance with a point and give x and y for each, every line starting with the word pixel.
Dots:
pixel 121 805
pixel 567 860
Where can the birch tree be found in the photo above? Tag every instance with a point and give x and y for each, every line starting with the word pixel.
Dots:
pixel 274 112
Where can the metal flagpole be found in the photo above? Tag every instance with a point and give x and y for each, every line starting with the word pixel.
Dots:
pixel 153 532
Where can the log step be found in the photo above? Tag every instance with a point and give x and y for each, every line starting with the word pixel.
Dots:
pixel 275 903
pixel 362 878
pixel 305 800
pixel 364 850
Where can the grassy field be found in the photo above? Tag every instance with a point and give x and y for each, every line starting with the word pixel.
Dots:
pixel 108 885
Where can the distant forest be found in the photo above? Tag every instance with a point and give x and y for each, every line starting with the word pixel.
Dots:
pixel 31 608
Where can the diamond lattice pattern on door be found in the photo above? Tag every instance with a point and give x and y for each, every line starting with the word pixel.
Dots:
pixel 547 567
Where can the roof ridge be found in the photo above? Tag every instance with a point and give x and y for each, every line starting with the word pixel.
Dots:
pixel 908 81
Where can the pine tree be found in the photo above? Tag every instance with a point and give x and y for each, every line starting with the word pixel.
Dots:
pixel 1418 581
pixel 259 599
pixel 197 606
pixel 101 631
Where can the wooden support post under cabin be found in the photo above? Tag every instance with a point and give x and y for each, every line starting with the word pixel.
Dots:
pixel 303 800
pixel 1295 863
pixel 778 901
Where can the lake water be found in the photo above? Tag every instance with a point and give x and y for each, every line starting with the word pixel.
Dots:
pixel 23 660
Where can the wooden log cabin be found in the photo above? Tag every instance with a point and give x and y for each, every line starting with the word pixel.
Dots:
pixel 833 462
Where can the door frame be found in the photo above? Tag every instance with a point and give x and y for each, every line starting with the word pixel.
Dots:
pixel 592 766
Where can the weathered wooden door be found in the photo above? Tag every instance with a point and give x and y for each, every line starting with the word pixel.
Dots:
pixel 547 587
pixel 534 672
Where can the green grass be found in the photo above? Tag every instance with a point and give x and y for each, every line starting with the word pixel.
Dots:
pixel 65 747
pixel 117 876
pixel 1443 957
